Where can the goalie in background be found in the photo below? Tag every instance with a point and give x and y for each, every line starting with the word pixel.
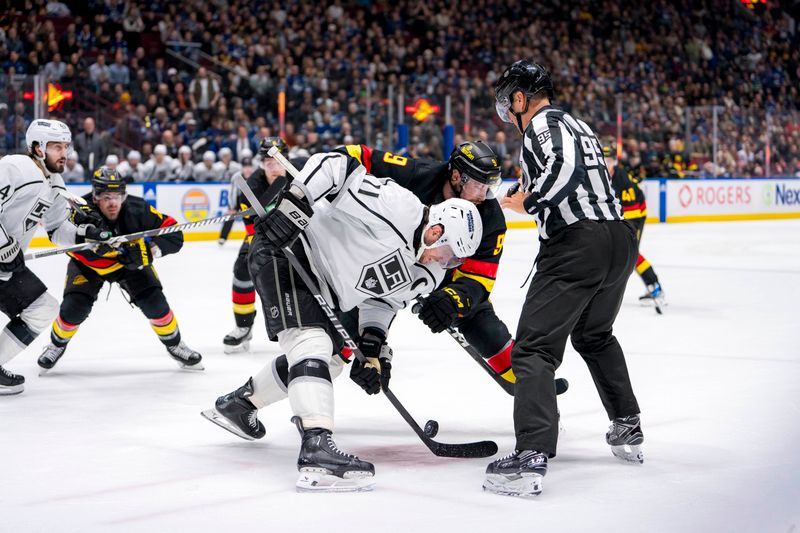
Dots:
pixel 109 207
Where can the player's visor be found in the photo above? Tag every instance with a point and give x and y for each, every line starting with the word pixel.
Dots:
pixel 502 106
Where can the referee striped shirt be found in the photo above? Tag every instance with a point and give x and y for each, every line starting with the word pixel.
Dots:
pixel 564 173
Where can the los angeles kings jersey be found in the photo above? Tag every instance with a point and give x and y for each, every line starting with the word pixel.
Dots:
pixel 28 197
pixel 425 178
pixel 363 238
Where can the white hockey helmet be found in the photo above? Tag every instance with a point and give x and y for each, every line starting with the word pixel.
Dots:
pixel 43 131
pixel 463 230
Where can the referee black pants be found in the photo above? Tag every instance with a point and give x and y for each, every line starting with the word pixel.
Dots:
pixel 577 291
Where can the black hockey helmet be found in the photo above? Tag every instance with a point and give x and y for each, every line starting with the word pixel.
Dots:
pixel 106 180
pixel 476 160
pixel 269 142
pixel 526 76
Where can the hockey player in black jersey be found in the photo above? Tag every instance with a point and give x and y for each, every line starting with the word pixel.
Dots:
pixel 462 301
pixel 244 292
pixel 634 208
pixel 131 265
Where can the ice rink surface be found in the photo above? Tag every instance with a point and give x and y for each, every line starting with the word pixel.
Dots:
pixel 112 440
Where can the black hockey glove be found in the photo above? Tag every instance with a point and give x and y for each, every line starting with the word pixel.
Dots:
pixel 281 226
pixel 11 257
pixel 135 255
pixel 377 370
pixel 440 310
pixel 86 214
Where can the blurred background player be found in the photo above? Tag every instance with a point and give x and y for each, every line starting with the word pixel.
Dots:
pixel 371 244
pixel 634 207
pixel 244 292
pixel 110 208
pixel 246 171
pixel 32 192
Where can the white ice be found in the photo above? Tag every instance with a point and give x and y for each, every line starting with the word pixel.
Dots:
pixel 112 440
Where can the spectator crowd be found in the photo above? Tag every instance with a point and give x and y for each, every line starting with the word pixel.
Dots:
pixel 186 91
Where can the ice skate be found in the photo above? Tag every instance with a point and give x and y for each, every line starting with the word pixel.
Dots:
pixel 235 413
pixel 187 358
pixel 238 340
pixel 50 357
pixel 519 473
pixel 325 468
pixel 10 383
pixel 625 438
pixel 654 296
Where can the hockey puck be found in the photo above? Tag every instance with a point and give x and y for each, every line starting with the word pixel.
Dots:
pixel 431 428
pixel 561 385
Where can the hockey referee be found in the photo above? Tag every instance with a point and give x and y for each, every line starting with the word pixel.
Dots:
pixel 586 254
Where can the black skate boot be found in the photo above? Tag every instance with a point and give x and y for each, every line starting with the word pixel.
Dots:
pixel 238 340
pixel 325 468
pixel 519 473
pixel 50 357
pixel 10 383
pixel 187 358
pixel 625 437
pixel 236 413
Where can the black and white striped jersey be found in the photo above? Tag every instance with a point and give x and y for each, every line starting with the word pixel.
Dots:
pixel 564 172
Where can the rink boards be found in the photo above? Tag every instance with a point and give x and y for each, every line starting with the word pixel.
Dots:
pixel 688 200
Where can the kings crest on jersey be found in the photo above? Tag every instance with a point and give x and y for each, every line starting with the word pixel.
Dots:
pixel 27 198
pixel 363 245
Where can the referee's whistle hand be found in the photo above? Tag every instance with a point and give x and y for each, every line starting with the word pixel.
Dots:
pixel 514 202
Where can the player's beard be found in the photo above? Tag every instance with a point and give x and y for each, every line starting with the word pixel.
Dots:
pixel 57 166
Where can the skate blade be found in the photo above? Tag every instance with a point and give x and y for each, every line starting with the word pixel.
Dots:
pixel 215 416
pixel 8 391
pixel 321 480
pixel 44 371
pixel 239 348
pixel 197 367
pixel 629 453
pixel 525 485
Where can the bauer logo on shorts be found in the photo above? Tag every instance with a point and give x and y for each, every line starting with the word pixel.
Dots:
pixel 384 276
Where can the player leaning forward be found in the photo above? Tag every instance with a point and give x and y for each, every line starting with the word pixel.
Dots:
pixel 372 245
pixel 32 191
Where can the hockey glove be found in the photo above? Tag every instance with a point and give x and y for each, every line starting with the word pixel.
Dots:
pixel 377 370
pixel 441 309
pixel 135 255
pixel 11 257
pixel 281 226
pixel 86 214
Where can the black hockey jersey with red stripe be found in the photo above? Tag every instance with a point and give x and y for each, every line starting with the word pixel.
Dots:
pixel 630 194
pixel 135 215
pixel 426 179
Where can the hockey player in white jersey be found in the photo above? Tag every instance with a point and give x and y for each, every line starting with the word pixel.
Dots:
pixel 32 192
pixel 372 245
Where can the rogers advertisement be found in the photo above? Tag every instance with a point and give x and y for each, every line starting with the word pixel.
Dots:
pixel 727 198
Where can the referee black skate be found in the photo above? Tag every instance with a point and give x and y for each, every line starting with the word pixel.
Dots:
pixel 586 254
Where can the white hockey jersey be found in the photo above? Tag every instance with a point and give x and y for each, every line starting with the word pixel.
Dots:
pixel 362 239
pixel 28 197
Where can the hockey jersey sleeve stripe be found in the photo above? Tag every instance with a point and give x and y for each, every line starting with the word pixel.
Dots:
pixel 481 268
pixel 168 221
pixel 487 283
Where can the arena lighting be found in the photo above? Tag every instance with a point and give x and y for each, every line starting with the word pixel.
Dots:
pixel 55 96
pixel 751 4
pixel 422 109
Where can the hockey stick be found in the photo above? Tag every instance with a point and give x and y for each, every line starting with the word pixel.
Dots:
pixel 472 449
pixel 561 384
pixel 155 232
